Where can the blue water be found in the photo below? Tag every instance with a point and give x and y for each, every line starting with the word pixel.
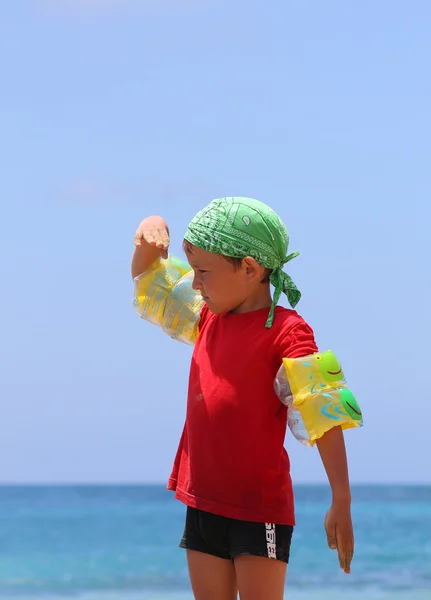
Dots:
pixel 111 542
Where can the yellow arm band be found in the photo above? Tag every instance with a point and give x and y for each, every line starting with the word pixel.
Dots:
pixel 164 296
pixel 314 389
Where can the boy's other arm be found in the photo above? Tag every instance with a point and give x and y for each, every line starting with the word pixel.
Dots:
pixel 338 522
pixel 151 242
pixel 299 342
pixel 332 451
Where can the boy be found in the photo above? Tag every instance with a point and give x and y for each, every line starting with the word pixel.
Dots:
pixel 231 468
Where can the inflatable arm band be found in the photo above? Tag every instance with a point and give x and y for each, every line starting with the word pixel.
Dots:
pixel 314 389
pixel 164 296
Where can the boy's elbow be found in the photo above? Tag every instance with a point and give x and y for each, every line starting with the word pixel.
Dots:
pixel 135 272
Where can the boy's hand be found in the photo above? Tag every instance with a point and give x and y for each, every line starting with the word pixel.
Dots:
pixel 155 232
pixel 339 531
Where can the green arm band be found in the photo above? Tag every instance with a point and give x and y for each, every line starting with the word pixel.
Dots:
pixel 314 389
pixel 164 296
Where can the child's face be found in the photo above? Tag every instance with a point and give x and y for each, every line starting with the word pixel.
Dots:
pixel 224 286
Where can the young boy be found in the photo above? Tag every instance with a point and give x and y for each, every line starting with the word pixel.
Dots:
pixel 231 468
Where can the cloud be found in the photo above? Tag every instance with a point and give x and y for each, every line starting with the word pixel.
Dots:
pixel 108 6
pixel 94 190
pixel 91 4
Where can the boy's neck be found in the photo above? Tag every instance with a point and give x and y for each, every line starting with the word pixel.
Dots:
pixel 261 299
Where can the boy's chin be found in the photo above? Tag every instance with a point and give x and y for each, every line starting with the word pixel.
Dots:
pixel 216 310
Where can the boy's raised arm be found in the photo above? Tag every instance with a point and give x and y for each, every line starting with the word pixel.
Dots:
pixel 151 242
pixel 163 289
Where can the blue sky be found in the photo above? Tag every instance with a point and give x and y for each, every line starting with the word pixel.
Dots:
pixel 111 111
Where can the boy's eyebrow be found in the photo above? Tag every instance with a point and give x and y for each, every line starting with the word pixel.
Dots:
pixel 195 264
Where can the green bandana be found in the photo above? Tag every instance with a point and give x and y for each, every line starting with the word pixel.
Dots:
pixel 240 227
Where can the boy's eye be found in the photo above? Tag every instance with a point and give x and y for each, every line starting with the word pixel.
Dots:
pixel 202 271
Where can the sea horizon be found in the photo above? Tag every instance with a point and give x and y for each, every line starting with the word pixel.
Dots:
pixel 163 484
pixel 107 541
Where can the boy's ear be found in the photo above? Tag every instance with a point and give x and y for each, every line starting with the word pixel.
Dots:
pixel 252 268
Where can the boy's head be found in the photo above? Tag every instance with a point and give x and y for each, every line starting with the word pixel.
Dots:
pixel 235 244
pixel 225 282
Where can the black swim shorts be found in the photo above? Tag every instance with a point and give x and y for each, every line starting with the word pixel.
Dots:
pixel 230 538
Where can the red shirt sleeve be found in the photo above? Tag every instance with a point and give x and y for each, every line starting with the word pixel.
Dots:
pixel 296 341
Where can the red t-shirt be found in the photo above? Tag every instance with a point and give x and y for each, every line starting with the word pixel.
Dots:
pixel 231 459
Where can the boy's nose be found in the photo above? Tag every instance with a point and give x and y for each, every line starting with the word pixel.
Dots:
pixel 196 284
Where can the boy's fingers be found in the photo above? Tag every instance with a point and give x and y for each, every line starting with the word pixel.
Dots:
pixel 164 237
pixel 149 237
pixel 331 536
pixel 155 237
pixel 345 555
pixel 345 562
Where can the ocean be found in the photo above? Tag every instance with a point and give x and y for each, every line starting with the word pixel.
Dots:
pixel 121 542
